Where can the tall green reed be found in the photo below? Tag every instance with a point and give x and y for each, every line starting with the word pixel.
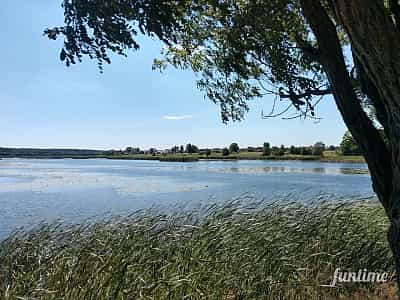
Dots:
pixel 236 250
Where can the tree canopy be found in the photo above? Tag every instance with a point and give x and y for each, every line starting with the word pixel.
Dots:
pixel 349 146
pixel 190 148
pixel 93 28
pixel 318 148
pixel 241 49
pixel 234 148
pixel 266 149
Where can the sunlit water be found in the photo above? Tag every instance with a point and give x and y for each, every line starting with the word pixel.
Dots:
pixel 74 190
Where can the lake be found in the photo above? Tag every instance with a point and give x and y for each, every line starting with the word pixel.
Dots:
pixel 32 190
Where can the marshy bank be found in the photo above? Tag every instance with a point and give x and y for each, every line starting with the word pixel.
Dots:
pixel 279 250
pixel 243 155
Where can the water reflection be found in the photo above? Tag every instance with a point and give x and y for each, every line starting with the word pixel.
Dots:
pixel 287 169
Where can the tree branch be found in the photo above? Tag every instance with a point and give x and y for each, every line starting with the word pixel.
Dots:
pixel 309 50
pixel 308 93
pixel 367 136
pixel 395 8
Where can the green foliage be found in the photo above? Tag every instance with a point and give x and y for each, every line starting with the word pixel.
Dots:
pixel 245 49
pixel 266 149
pixel 225 152
pixel 332 148
pixel 234 148
pixel 278 151
pixel 283 250
pixel 192 148
pixel 282 150
pixel 195 149
pixel 128 149
pixel 275 151
pixel 294 150
pixel 175 149
pixel 132 150
pixel 349 146
pixel 95 27
pixel 240 49
pixel 306 150
pixel 318 149
pixel 50 153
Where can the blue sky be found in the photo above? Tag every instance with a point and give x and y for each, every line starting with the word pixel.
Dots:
pixel 45 104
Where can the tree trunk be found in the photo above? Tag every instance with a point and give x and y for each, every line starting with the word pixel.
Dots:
pixel 375 41
pixel 394 236
pixel 379 55
pixel 374 149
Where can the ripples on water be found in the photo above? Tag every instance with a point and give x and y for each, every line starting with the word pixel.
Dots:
pixel 285 169
pixel 35 190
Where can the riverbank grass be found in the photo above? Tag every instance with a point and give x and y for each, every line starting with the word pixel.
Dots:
pixel 279 250
pixel 331 156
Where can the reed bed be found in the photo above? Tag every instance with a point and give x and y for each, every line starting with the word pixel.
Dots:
pixel 179 158
pixel 239 250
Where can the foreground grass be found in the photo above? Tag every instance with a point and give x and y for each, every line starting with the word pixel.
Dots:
pixel 254 251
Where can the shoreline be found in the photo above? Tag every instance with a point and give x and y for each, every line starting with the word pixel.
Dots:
pixel 194 158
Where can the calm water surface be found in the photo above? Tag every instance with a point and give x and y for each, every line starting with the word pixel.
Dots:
pixel 74 190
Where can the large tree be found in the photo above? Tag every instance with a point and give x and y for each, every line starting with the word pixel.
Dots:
pixel 299 50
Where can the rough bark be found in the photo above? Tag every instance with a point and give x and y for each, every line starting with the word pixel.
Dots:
pixel 395 8
pixel 361 127
pixel 369 89
pixel 375 44
pixel 379 55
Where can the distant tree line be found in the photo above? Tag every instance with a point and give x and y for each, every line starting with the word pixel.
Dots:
pixel 132 150
pixel 317 149
pixel 48 153
pixel 348 146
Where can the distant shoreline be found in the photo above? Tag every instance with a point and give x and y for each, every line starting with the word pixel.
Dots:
pixel 213 157
pixel 188 158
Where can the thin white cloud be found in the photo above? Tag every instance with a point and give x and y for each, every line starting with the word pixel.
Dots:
pixel 180 117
